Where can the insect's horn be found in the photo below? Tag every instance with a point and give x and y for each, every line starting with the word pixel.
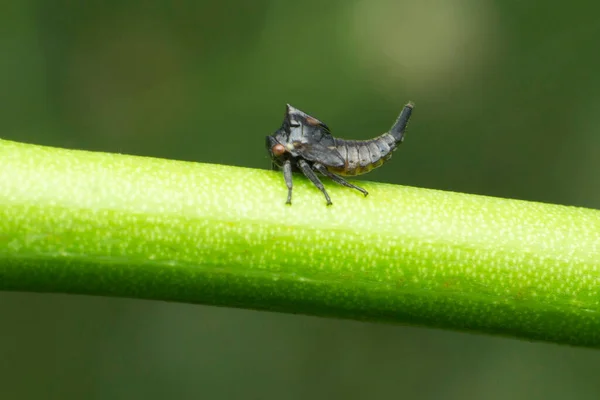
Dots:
pixel 399 127
pixel 294 116
pixel 289 110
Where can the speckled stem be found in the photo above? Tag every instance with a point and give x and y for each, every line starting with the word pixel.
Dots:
pixel 116 225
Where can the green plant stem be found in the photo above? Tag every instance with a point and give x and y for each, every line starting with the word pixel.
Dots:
pixel 116 225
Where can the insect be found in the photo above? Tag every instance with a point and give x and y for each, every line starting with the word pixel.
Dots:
pixel 305 144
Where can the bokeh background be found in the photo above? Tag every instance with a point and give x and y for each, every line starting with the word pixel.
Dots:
pixel 507 100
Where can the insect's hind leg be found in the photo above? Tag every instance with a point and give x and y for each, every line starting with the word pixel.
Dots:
pixel 338 179
pixel 308 172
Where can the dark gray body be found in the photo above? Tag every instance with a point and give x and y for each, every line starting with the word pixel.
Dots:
pixel 304 143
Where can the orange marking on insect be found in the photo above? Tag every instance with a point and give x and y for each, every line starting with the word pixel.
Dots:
pixel 312 121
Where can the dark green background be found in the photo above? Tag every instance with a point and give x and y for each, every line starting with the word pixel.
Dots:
pixel 507 100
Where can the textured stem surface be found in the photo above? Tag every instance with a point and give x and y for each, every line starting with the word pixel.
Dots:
pixel 116 225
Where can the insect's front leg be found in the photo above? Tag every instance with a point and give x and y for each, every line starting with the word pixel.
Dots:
pixel 287 175
pixel 310 174
pixel 338 179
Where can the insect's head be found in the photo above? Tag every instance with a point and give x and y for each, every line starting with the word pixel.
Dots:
pixel 297 127
pixel 276 150
pixel 279 144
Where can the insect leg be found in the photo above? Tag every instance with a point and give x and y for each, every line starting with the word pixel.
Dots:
pixel 287 175
pixel 399 127
pixel 338 179
pixel 309 173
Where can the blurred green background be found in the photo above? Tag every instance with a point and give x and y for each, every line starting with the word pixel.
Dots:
pixel 507 100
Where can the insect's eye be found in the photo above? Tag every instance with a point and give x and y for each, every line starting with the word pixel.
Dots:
pixel 278 150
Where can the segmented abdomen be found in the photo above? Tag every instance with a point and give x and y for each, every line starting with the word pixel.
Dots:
pixel 362 156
